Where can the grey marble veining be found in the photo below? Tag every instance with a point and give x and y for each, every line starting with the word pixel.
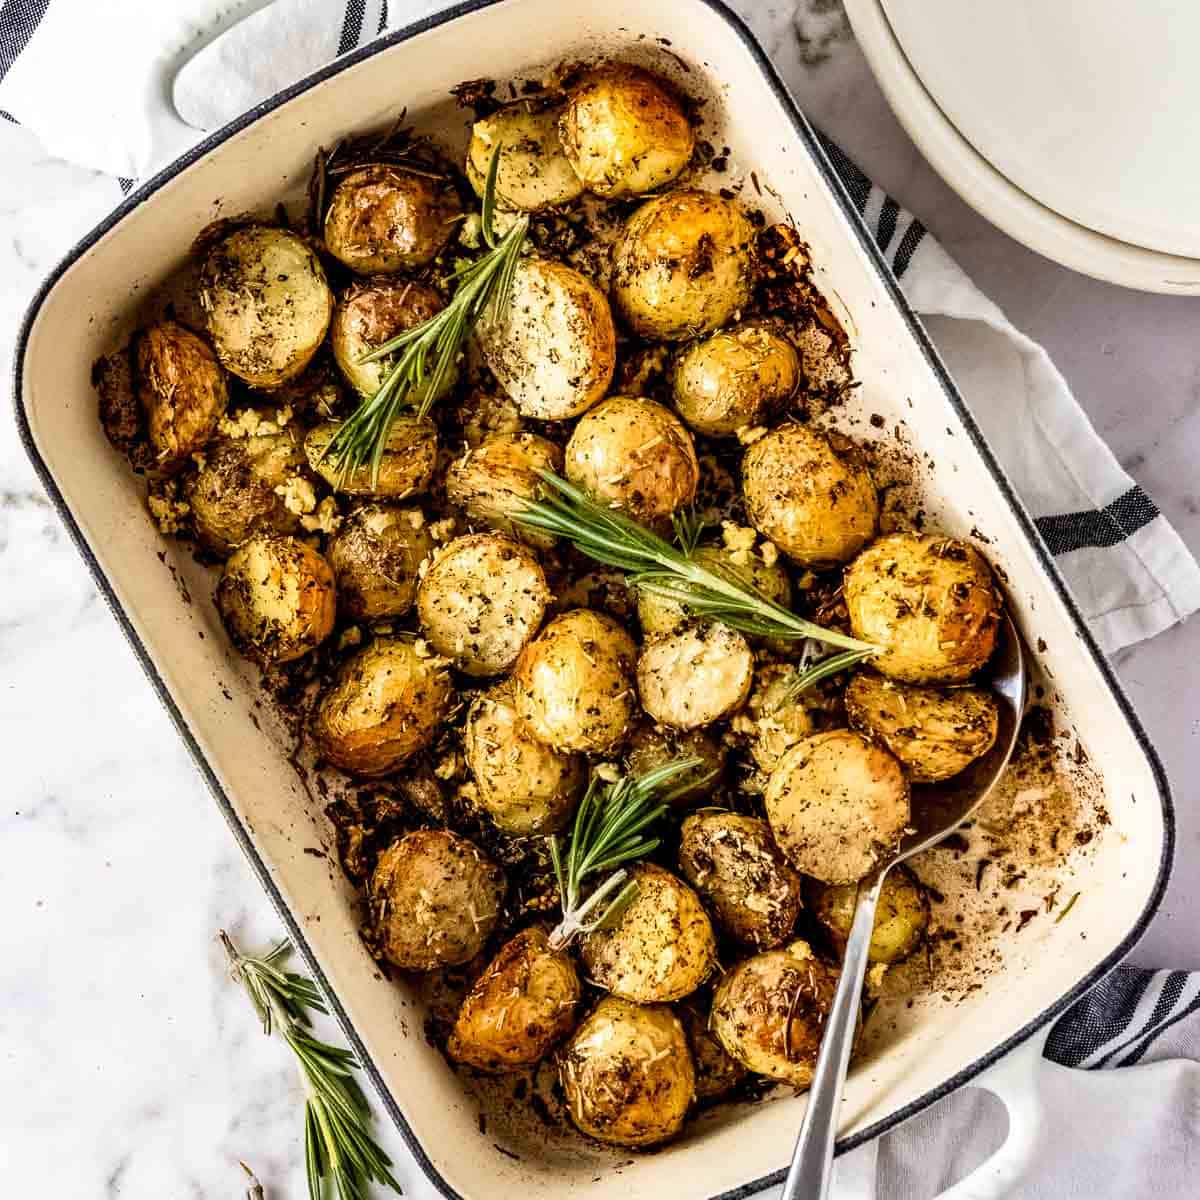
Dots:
pixel 129 1065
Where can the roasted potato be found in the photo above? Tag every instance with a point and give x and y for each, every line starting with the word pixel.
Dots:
pixel 552 347
pixel 717 1072
pixel 683 265
pixel 409 460
pixel 900 920
pixel 627 1073
pixel 481 600
pixel 732 861
pixel 660 948
pixel 574 683
pixel 652 746
pixel 376 555
pixel 499 477
pixel 276 598
pixel 929 601
pixel 181 390
pixel 634 454
pixel 769 1012
pixel 518 1008
pixel 266 303
pixel 525 786
pixel 735 379
pixel 534 172
pixel 772 721
pixel 383 218
pixel 434 899
pixel 837 804
pixel 696 675
pixel 817 503
pixel 624 132
pixel 935 732
pixel 386 704
pixel 243 488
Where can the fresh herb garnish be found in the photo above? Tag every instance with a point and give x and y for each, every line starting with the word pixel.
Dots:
pixel 809 675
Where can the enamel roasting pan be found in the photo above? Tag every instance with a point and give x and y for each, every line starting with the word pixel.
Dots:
pixel 86 307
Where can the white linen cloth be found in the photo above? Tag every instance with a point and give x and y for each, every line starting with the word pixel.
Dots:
pixel 125 86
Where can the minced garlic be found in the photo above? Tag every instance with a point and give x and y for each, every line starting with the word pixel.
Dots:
pixel 325 519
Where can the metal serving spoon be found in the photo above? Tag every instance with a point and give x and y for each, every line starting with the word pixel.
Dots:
pixel 938 810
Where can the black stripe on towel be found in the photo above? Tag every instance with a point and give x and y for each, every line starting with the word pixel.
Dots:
pixel 19 20
pixel 352 23
pixel 886 229
pixel 1098 526
pixel 908 245
pixel 1172 989
pixel 1133 1058
pixel 1098 1017
pixel 855 182
pixel 383 16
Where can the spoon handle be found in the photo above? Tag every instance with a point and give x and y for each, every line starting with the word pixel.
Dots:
pixel 812 1163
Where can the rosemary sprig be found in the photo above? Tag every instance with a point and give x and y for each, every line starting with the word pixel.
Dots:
pixel 340 1155
pixel 808 676
pixel 429 351
pixel 660 569
pixel 610 830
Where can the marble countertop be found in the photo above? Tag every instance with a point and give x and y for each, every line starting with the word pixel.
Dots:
pixel 129 1066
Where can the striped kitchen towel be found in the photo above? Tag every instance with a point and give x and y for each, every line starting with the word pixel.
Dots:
pixel 188 66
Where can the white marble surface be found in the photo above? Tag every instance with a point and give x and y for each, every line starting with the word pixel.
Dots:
pixel 129 1066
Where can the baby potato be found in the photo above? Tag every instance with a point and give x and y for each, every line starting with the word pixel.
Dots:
pixel 276 598
pixel 624 132
pixel 234 494
pixel 534 173
pixel 525 786
pixel 816 503
pixel 717 1073
pixel 773 722
pixel 434 900
pixel 731 860
pixel 386 704
pixel 552 347
pixel 837 803
pixel 181 389
pixel 735 379
pixel 769 1012
pixel 683 265
pixel 696 675
pixel 481 600
pixel 574 683
pixel 653 746
pixel 376 555
pixel 627 1074
pixel 900 920
pixel 518 1008
pixel 934 732
pixel 266 303
pixel 661 948
pixel 382 218
pixel 409 460
pixel 500 477
pixel 929 601
pixel 371 313
pixel 634 454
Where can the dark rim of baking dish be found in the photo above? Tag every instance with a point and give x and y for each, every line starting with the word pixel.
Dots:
pixel 803 131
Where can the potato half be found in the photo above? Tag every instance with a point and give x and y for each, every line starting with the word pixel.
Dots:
pixel 653 746
pixel 900 920
pixel 376 555
pixel 696 675
pixel 409 460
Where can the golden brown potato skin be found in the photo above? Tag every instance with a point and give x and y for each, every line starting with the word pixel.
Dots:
pixel 652 746
pixel 627 1074
pixel 717 1072
pixel 623 132
pixel 837 804
pixel 732 861
pixel 815 502
pixel 376 555
pixel 769 1012
pixel 772 722
pixel 386 704
pixel 929 601
pixel 384 219
pixel 181 389
pixel 534 173
pixel 434 899
pixel 574 683
pixel 233 495
pixel 935 732
pixel 683 265
pixel 634 454
pixel 662 946
pixel 276 598
pixel 735 379
pixel 519 1007
pixel 696 675
pixel 409 460
pixel 900 920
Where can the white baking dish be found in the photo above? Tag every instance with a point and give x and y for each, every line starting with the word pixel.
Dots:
pixel 85 307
